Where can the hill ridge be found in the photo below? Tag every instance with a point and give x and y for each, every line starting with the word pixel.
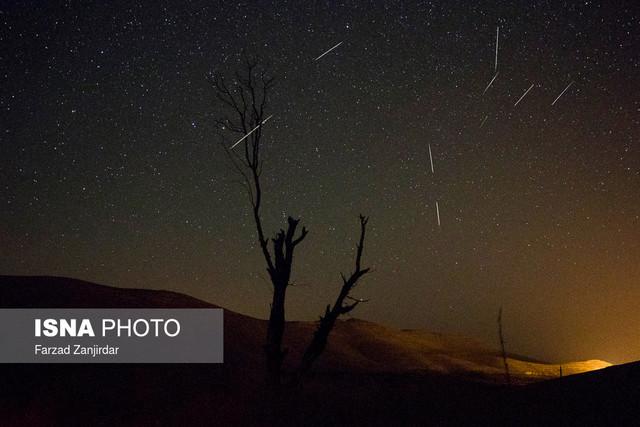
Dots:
pixel 355 345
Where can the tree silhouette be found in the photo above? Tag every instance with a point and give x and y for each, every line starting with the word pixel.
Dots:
pixel 502 348
pixel 327 322
pixel 246 101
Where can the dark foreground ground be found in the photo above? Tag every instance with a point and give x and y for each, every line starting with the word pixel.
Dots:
pixel 110 395
pixel 232 394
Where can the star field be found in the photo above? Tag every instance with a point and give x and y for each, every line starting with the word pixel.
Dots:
pixel 111 171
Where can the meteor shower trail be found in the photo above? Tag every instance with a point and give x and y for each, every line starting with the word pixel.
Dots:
pixel 431 159
pixel 438 213
pixel 523 95
pixel 328 51
pixel 490 83
pixel 497 37
pixel 250 132
pixel 562 93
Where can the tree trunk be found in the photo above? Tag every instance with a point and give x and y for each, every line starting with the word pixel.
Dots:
pixel 502 347
pixel 275 332
pixel 319 342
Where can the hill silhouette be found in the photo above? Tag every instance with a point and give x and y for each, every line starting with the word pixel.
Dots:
pixel 370 374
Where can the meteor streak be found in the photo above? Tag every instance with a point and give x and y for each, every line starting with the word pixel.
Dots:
pixel 497 35
pixel 328 51
pixel 562 93
pixel 490 83
pixel 250 132
pixel 431 159
pixel 523 95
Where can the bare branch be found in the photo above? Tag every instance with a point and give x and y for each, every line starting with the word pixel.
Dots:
pixel 327 322
pixel 349 297
pixel 303 234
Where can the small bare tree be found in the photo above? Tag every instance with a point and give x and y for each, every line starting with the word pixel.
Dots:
pixel 502 347
pixel 327 322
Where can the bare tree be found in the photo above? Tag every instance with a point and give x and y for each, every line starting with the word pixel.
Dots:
pixel 327 322
pixel 247 100
pixel 502 347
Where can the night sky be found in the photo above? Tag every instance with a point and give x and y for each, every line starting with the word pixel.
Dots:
pixel 110 169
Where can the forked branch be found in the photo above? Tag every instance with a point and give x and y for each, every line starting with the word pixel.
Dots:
pixel 340 307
